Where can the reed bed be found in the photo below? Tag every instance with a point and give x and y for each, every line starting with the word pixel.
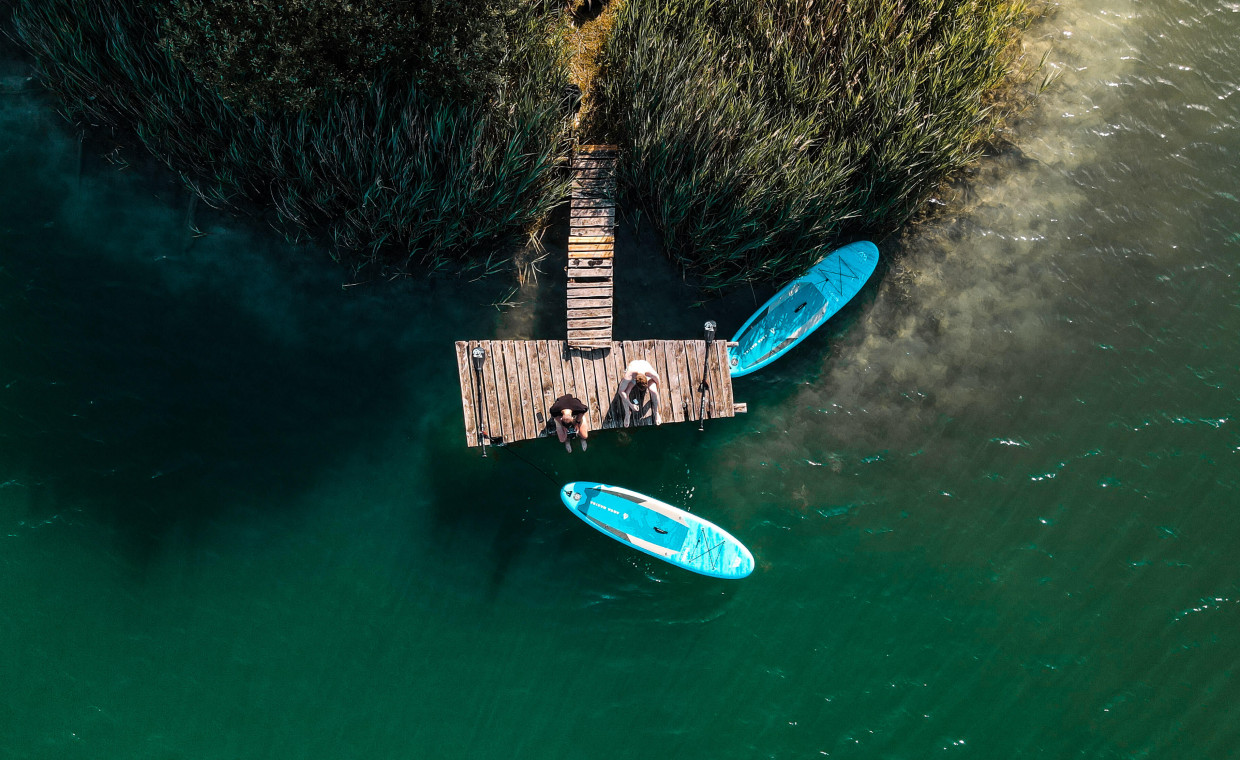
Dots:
pixel 392 176
pixel 759 134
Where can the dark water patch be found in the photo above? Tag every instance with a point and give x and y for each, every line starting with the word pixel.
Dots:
pixel 167 383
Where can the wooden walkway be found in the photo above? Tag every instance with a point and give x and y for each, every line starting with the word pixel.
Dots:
pixel 510 399
pixel 591 243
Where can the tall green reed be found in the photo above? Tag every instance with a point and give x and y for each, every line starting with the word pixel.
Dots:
pixel 760 133
pixel 391 176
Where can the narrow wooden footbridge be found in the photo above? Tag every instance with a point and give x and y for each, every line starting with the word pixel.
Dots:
pixel 508 387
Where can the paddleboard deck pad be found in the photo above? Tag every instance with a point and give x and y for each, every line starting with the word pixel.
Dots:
pixel 801 307
pixel 658 529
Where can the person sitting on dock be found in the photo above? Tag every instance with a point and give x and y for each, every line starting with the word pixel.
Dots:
pixel 639 375
pixel 570 418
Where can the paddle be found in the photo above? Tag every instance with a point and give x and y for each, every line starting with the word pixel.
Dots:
pixel 477 356
pixel 710 337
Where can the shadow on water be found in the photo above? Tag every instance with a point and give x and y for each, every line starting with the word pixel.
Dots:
pixel 502 516
pixel 166 383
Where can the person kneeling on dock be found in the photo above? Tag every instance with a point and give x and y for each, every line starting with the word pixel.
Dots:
pixel 570 419
pixel 639 376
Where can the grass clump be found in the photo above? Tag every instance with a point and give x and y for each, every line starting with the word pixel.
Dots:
pixel 759 133
pixel 405 135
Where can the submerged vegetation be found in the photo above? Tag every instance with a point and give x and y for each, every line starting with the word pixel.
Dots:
pixel 757 133
pixel 412 167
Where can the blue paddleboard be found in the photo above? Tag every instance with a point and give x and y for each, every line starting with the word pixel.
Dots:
pixel 660 530
pixel 801 307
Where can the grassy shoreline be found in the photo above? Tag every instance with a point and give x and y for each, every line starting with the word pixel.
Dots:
pixel 756 134
pixel 790 126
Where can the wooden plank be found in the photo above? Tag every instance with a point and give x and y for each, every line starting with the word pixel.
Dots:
pixel 585 232
pixel 555 368
pixel 590 226
pixel 549 350
pixel 685 381
pixel 615 369
pixel 589 254
pixel 590 162
pixel 542 392
pixel 561 367
pixel 518 393
pixel 619 362
pixel 648 353
pixel 712 377
pixel 592 334
pixel 497 404
pixel 512 385
pixel 741 408
pixel 593 213
pixel 584 290
pixel 592 288
pixel 590 268
pixel 722 396
pixel 510 410
pixel 591 378
pixel 660 367
pixel 508 377
pixel 464 371
pixel 530 396
pixel 578 244
pixel 590 217
pixel 584 381
pixel 693 365
pixel 574 370
pixel 600 148
pixel 586 323
pixel 725 396
pixel 589 302
pixel 577 313
pixel 603 192
pixel 540 377
pixel 595 203
pixel 604 374
pixel 605 173
pixel 602 380
pixel 593 240
pixel 592 185
pixel 671 388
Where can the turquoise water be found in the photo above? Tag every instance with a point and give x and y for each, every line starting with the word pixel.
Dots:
pixel 994 505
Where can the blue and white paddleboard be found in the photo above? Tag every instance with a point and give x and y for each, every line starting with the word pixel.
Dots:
pixel 801 307
pixel 660 530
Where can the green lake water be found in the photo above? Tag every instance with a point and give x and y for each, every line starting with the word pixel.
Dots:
pixel 995 504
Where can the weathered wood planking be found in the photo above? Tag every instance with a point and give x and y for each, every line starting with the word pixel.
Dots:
pixel 591 244
pixel 519 381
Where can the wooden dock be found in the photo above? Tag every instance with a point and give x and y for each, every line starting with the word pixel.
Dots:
pixel 510 398
pixel 591 243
